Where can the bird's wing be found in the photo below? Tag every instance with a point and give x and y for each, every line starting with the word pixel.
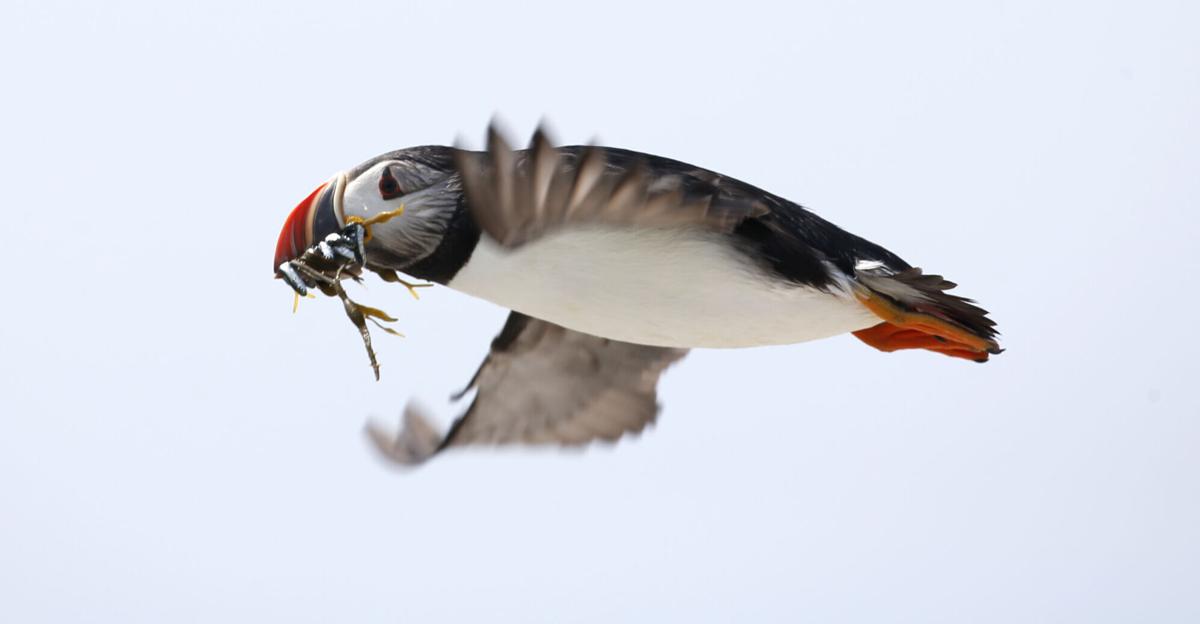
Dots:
pixel 543 384
pixel 517 196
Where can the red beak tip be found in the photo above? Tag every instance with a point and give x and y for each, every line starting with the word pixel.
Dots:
pixel 294 237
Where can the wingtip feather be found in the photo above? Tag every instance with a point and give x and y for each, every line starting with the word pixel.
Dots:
pixel 416 442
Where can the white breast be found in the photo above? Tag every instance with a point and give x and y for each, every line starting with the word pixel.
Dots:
pixel 677 288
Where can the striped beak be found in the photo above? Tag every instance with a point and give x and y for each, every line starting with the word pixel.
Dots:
pixel 314 218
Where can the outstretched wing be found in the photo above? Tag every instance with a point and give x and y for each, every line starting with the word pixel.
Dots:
pixel 517 196
pixel 543 384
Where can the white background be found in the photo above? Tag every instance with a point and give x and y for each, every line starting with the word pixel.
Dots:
pixel 176 446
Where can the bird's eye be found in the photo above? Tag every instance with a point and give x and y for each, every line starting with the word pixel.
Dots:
pixel 389 188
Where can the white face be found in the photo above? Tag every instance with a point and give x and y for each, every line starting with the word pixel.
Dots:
pixel 426 196
pixel 372 192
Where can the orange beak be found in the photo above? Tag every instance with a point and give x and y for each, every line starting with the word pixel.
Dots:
pixel 296 235
pixel 314 218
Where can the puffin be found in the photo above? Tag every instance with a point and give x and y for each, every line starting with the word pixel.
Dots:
pixel 613 263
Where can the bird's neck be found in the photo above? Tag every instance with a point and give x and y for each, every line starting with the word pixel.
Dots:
pixel 452 252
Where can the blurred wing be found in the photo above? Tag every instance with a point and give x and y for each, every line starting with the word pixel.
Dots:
pixel 517 196
pixel 544 384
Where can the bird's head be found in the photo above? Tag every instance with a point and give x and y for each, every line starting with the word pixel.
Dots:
pixel 420 179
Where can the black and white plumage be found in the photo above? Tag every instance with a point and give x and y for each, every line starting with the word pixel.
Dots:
pixel 615 263
pixel 517 197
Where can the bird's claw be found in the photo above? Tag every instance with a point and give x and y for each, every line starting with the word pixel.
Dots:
pixel 412 288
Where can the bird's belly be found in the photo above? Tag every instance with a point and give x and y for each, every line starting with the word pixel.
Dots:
pixel 676 288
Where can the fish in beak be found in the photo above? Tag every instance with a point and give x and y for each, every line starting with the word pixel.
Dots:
pixel 314 218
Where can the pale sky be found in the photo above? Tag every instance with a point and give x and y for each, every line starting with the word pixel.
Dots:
pixel 176 446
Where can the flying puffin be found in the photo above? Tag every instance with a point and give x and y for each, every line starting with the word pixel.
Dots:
pixel 614 263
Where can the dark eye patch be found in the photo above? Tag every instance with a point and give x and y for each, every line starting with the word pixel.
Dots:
pixel 389 188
